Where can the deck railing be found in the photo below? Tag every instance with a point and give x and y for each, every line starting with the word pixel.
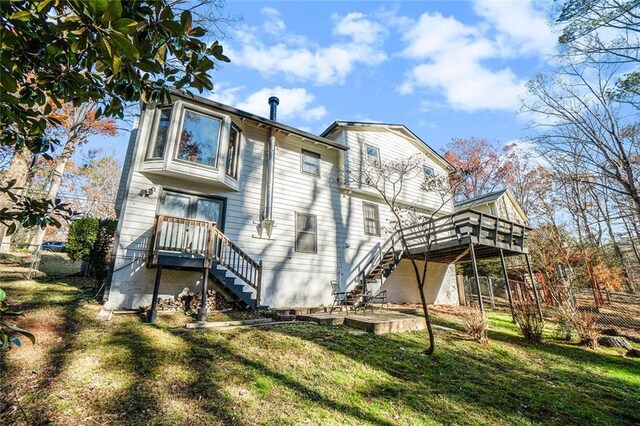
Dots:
pixel 202 237
pixel 458 228
pixel 483 228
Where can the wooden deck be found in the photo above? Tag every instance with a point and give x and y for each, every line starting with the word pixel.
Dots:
pixel 447 239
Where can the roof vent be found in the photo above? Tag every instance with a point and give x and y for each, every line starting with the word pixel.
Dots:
pixel 273 102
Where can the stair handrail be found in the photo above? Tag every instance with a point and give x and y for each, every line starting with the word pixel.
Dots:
pixel 229 255
pixel 389 244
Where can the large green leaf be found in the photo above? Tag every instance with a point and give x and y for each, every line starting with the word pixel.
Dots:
pixel 113 12
pixel 125 25
pixel 124 46
pixel 3 295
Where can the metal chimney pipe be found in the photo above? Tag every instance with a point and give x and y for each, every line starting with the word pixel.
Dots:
pixel 267 217
pixel 273 102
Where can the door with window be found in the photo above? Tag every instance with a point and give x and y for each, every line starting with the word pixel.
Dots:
pixel 176 234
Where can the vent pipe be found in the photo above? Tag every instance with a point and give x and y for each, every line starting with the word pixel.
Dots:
pixel 267 217
pixel 273 103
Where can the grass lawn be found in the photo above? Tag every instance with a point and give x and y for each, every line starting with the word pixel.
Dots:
pixel 83 370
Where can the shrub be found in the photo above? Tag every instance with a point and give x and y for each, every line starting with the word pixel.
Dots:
pixel 82 235
pixel 529 321
pixel 476 325
pixel 565 329
pixel 91 240
pixel 585 325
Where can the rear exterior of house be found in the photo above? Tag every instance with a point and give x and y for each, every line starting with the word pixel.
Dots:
pixel 287 221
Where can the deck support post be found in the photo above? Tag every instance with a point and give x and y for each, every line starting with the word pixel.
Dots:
pixel 508 286
pixel 202 313
pixel 152 315
pixel 474 266
pixel 535 288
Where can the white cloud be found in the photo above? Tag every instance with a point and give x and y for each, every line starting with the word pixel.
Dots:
pixel 299 60
pixel 521 27
pixel 295 103
pixel 459 61
pixel 273 24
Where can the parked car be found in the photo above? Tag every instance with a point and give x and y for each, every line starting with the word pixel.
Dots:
pixel 53 246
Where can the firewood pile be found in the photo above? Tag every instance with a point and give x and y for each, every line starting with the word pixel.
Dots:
pixel 190 301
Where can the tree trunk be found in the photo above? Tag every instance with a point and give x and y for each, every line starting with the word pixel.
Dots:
pixel 18 170
pixel 56 181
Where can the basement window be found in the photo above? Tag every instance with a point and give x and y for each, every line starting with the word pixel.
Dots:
pixel 371 219
pixel 310 162
pixel 306 233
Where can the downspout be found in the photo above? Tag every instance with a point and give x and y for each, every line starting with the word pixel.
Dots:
pixel 267 216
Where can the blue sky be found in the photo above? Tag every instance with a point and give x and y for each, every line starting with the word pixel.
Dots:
pixel 444 69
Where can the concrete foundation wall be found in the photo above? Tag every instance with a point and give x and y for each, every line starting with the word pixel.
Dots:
pixel 440 286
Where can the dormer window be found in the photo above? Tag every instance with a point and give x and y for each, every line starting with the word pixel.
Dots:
pixel 199 139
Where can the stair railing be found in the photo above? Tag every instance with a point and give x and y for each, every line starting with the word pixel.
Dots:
pixel 233 258
pixel 204 238
pixel 392 244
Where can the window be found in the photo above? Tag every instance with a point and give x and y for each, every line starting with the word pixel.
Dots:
pixel 428 172
pixel 233 152
pixel 310 162
pixel 372 154
pixel 193 207
pixel 199 139
pixel 306 233
pixel 371 219
pixel 162 134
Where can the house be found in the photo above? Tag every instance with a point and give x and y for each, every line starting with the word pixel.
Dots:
pixel 212 196
pixel 500 203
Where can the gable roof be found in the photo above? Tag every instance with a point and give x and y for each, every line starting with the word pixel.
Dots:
pixel 261 120
pixel 401 127
pixel 490 198
pixel 480 199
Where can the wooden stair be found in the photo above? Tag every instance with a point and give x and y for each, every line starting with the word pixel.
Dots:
pixel 381 265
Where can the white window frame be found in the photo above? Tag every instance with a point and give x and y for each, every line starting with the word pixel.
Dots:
pixel 312 154
pixel 376 219
pixel 315 234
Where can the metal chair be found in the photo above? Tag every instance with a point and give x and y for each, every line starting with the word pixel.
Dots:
pixel 340 298
pixel 380 297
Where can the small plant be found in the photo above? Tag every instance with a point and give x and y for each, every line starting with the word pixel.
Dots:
pixel 476 325
pixel 565 329
pixel 529 321
pixel 7 330
pixel 585 325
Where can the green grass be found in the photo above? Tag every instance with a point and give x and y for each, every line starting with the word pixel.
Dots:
pixel 84 370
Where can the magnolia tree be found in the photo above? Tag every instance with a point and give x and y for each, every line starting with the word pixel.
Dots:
pixel 391 179
pixel 106 53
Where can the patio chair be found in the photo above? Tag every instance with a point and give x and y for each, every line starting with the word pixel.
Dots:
pixel 340 298
pixel 380 298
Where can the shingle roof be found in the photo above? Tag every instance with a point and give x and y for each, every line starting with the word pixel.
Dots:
pixel 481 199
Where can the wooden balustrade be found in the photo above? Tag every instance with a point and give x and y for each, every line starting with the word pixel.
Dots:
pixel 175 234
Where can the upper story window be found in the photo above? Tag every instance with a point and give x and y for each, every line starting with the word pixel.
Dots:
pixel 306 233
pixel 310 162
pixel 233 152
pixel 428 172
pixel 371 219
pixel 372 154
pixel 199 139
pixel 162 134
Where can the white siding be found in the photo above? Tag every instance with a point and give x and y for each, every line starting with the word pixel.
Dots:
pixel 290 278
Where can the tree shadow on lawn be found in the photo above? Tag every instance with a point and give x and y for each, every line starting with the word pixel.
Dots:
pixel 473 376
pixel 208 357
